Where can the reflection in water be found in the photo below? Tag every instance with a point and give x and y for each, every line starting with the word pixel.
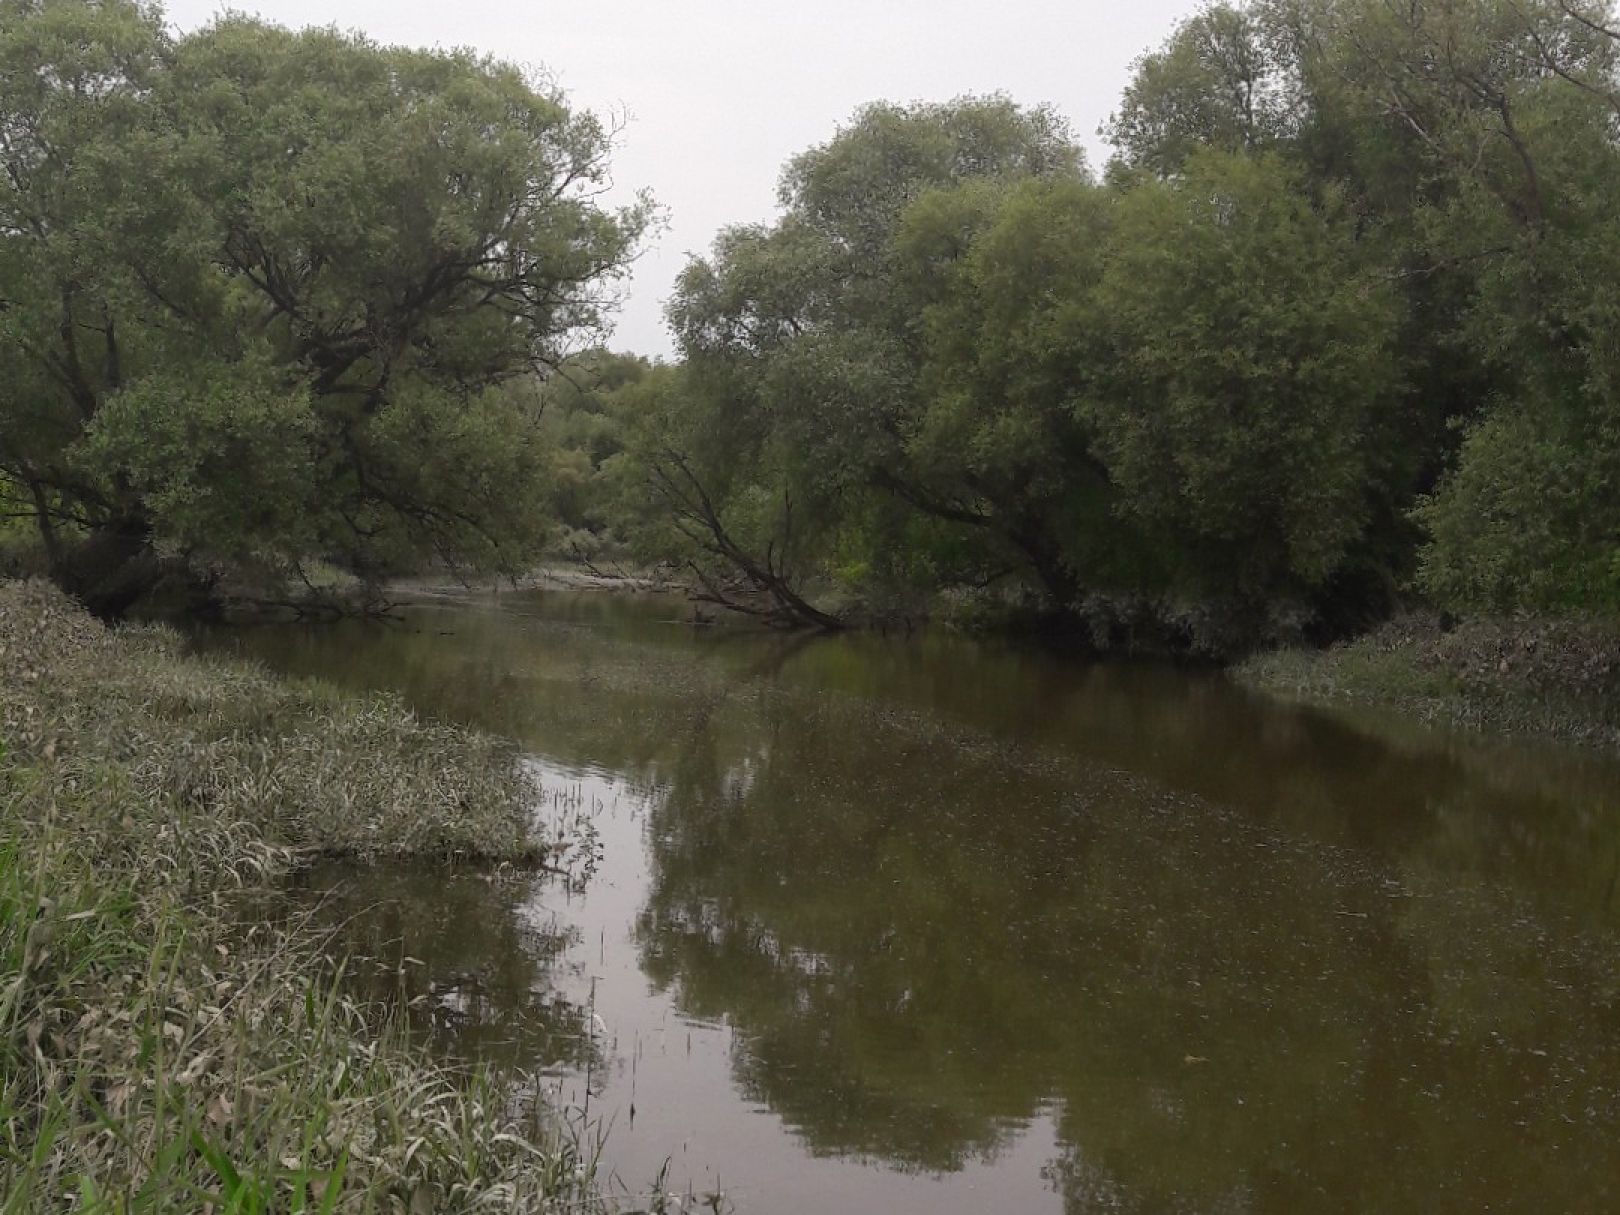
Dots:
pixel 464 954
pixel 934 925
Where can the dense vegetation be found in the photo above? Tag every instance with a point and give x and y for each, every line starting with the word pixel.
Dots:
pixel 163 1045
pixel 267 297
pixel 1336 325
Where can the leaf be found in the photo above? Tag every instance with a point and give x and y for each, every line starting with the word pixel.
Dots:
pixel 334 1184
pixel 194 1070
pixel 219 1162
pixel 220 1111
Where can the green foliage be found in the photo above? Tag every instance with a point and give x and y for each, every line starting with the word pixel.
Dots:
pixel 1527 519
pixel 585 422
pixel 344 257
pixel 857 186
pixel 1517 120
pixel 1221 81
pixel 1342 315
pixel 1159 387
pixel 1245 373
pixel 226 464
pixel 1337 237
pixel 1009 271
pixel 807 340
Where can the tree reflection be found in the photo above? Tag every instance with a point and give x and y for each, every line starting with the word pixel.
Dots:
pixel 478 976
pixel 1247 957
pixel 923 943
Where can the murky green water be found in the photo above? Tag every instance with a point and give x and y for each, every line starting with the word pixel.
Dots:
pixel 927 925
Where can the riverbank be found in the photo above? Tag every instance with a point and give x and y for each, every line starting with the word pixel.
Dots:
pixel 158 1049
pixel 1542 678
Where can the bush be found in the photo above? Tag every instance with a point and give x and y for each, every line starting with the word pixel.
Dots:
pixel 1529 519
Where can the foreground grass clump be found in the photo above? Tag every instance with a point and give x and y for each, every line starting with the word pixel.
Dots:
pixel 1557 678
pixel 156 1053
pixel 229 745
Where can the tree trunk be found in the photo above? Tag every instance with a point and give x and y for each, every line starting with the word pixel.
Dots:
pixel 1061 584
pixel 47 528
pixel 698 519
pixel 113 569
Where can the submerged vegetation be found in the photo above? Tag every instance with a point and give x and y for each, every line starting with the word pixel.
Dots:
pixel 159 1048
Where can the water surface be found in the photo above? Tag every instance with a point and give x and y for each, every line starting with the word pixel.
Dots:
pixel 933 925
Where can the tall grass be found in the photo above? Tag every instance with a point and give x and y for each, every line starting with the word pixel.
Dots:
pixel 156 1054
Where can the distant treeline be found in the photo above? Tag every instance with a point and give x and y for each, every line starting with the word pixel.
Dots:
pixel 1337 325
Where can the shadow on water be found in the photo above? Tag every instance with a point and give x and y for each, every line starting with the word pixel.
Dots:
pixel 938 925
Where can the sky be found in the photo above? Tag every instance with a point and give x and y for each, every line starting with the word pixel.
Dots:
pixel 719 94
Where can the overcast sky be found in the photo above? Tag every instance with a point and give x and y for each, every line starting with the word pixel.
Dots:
pixel 721 92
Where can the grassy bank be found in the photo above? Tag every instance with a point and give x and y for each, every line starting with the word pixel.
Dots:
pixel 156 1052
pixel 1558 679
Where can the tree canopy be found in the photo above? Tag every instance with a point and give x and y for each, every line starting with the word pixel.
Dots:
pixel 1336 325
pixel 268 296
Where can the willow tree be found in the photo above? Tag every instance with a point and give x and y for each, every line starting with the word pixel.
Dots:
pixel 809 333
pixel 268 296
pixel 1477 147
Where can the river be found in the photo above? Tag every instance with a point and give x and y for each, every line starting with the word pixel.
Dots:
pixel 929 924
